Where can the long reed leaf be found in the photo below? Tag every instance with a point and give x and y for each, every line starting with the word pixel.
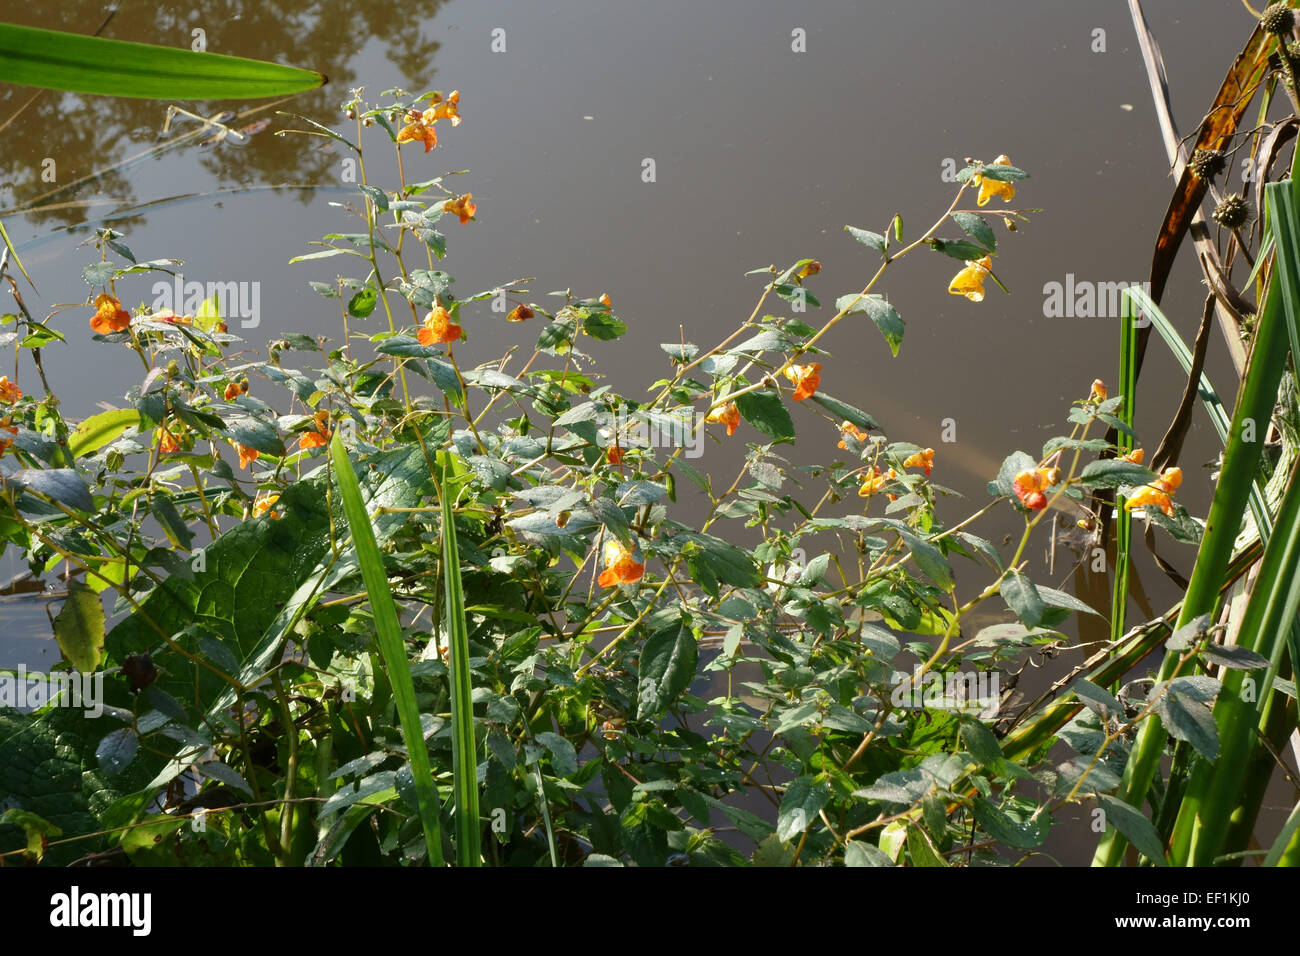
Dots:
pixel 391 647
pixel 463 761
pixel 75 63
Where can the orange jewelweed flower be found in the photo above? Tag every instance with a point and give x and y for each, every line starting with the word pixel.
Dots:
pixel 445 109
pixel 109 315
pixel 170 317
pixel 614 455
pixel 1135 456
pixel 520 313
pixel 970 281
pixel 9 391
pixel 922 459
pixel 235 389
pixel 439 328
pixel 419 129
pixel 993 187
pixel 167 442
pixel 1031 485
pixel 621 566
pixel 246 455
pixel 262 505
pixel 850 430
pixel 462 206
pixel 1098 393
pixel 12 429
pixel 1157 493
pixel 605 300
pixel 728 415
pixel 320 437
pixel 806 378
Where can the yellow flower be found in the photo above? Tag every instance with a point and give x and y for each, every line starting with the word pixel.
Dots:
pixel 462 206
pixel 167 442
pixel 9 391
pixel 875 481
pixel 109 315
pixel 728 415
pixel 1135 456
pixel 419 129
pixel 994 187
pixel 439 329
pixel 806 378
pixel 922 459
pixel 970 281
pixel 621 566
pixel 262 505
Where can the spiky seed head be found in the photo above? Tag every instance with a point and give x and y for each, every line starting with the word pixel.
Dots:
pixel 1278 19
pixel 1232 212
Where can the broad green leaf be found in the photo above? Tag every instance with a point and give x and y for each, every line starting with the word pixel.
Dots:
pixel 99 430
pixel 79 628
pixel 766 412
pixel 880 311
pixel 1134 826
pixel 804 798
pixel 668 663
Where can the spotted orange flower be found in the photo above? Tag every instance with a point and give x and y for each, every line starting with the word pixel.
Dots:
pixel 621 566
pixel 1030 486
pixel 170 317
pixel 970 281
pixel 9 391
pixel 605 300
pixel 806 378
pixel 445 109
pixel 993 187
pixel 922 459
pixel 167 442
pixel 850 430
pixel 1098 393
pixel 439 328
pixel 320 436
pixel 462 206
pixel 811 269
pixel 12 429
pixel 264 504
pixel 109 315
pixel 419 129
pixel 728 415
pixel 246 455
pixel 235 389
pixel 875 481
pixel 614 455
pixel 1135 456
pixel 520 313
pixel 1157 493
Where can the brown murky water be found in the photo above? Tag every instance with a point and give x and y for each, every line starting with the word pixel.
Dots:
pixel 762 154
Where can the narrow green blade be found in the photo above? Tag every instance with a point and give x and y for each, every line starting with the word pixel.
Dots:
pixel 52 60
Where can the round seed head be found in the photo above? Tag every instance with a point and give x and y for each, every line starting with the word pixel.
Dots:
pixel 1232 212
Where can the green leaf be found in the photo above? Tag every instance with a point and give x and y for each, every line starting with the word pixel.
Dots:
pixel 766 412
pixel 79 628
pixel 1134 826
pixel 1113 472
pixel 959 249
pixel 921 850
pixel 75 63
pixel 845 411
pixel 857 853
pixel 564 758
pixel 1024 831
pixel 881 312
pixel 99 430
pixel 668 663
pixel 1021 594
pixel 603 326
pixel 804 799
pixel 63 485
pixel 1097 699
pixel 1188 719
pixel 363 303
pixel 975 227
pixel 872 240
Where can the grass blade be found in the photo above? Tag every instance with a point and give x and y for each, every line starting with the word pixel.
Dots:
pixel 464 765
pixel 391 646
pixel 75 63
